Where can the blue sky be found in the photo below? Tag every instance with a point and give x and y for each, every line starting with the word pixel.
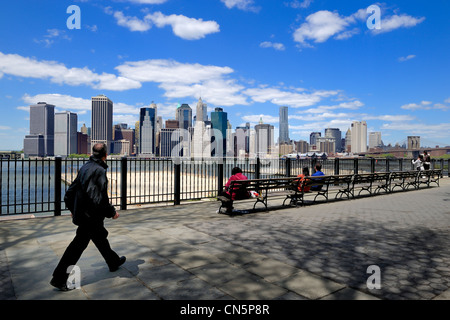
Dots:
pixel 250 57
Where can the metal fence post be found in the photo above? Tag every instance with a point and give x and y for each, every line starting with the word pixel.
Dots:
pixel 388 166
pixel 257 168
pixel 177 183
pixel 288 167
pixel 313 164
pixel 220 177
pixel 448 168
pixel 372 165
pixel 400 165
pixel 123 183
pixel 336 166
pixel 57 186
pixel 355 166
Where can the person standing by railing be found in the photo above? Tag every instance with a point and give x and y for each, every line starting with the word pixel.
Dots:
pixel 427 161
pixel 418 163
pixel 87 199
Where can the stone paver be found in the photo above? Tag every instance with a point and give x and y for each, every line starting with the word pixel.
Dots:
pixel 189 252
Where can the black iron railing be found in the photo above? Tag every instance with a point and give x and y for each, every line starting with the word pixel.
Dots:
pixel 38 185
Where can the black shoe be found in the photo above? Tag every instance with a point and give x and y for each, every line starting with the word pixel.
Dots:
pixel 62 286
pixel 116 267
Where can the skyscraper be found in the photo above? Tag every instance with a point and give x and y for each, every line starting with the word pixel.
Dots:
pixel 336 134
pixel 122 132
pixel 348 141
pixel 40 141
pixel 102 121
pixel 66 124
pixel 284 126
pixel 202 113
pixel 359 136
pixel 241 143
pixel 219 120
pixel 201 139
pixel 184 116
pixel 264 138
pixel 374 139
pixel 313 137
pixel 147 123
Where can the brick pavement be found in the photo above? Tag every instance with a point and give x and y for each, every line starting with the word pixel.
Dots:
pixel 406 234
pixel 190 252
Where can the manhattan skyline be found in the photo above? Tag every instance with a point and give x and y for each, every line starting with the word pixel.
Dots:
pixel 318 58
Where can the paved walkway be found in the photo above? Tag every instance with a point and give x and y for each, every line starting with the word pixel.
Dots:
pixel 318 251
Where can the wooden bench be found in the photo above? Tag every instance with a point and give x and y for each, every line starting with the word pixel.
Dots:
pixel 428 177
pixel 351 186
pixel 372 183
pixel 341 184
pixel 277 186
pixel 403 180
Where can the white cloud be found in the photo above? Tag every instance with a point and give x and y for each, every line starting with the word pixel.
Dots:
pixel 409 57
pixel 61 101
pixel 75 104
pixel 392 118
pixel 437 130
pixel 447 101
pixel 132 23
pixel 123 113
pixel 180 80
pixel 323 25
pixel 299 4
pixel 275 45
pixel 182 26
pixel 288 98
pixel 170 71
pixel 246 5
pixel 219 92
pixel 395 22
pixel 255 118
pixel 17 65
pixel 51 36
pixel 320 26
pixel 352 105
pixel 426 105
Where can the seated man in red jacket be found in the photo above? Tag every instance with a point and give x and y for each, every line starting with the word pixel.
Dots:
pixel 236 192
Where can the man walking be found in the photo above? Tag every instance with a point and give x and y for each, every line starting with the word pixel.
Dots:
pixel 87 199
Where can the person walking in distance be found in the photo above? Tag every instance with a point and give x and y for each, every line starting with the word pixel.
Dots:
pixel 88 201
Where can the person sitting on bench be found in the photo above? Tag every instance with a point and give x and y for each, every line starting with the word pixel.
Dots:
pixel 318 173
pixel 302 176
pixel 237 192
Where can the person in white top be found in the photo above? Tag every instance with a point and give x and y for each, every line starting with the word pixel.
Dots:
pixel 418 163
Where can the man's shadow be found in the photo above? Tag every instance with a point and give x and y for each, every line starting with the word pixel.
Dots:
pixel 99 271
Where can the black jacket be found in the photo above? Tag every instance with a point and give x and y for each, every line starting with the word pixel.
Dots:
pixel 87 197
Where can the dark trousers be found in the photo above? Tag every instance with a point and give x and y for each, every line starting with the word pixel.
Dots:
pixel 227 204
pixel 85 233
